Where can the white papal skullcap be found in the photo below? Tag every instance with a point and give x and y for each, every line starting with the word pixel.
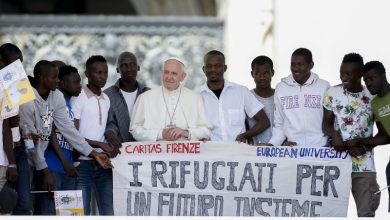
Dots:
pixel 176 58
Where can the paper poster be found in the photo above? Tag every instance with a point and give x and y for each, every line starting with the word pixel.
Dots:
pixel 6 111
pixel 69 203
pixel 15 87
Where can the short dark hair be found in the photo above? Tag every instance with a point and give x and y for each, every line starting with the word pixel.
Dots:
pixel 305 53
pixel 261 60
pixel 58 63
pixel 41 68
pixel 31 79
pixel 374 65
pixel 354 58
pixel 66 71
pixel 215 52
pixel 94 59
pixel 7 49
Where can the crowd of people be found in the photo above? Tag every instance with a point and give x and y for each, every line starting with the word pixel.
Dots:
pixel 75 129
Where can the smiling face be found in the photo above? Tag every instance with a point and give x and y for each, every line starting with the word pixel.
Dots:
pixel 350 75
pixel 214 68
pixel 173 74
pixel 300 68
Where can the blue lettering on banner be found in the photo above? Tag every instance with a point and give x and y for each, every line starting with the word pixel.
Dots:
pixel 300 152
pixel 277 152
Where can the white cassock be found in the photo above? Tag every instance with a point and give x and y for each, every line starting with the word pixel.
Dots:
pixel 186 111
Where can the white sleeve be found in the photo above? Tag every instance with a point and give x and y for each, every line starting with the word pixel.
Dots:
pixel 77 105
pixel 251 104
pixel 278 135
pixel 203 125
pixel 138 117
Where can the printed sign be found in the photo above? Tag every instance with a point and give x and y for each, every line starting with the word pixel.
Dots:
pixel 69 203
pixel 230 179
pixel 16 89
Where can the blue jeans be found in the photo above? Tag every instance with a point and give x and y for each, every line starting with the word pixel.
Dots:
pixel 23 183
pixel 63 182
pixel 94 177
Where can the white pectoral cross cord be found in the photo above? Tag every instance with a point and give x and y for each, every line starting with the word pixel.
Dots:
pixel 171 124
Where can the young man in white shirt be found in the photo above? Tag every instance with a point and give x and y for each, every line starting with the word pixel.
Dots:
pixel 227 103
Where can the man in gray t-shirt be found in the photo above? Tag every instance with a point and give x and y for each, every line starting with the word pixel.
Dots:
pixel 262 72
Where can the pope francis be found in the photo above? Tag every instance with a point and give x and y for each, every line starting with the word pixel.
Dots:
pixel 170 112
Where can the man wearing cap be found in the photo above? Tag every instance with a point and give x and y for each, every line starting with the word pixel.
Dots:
pixel 170 112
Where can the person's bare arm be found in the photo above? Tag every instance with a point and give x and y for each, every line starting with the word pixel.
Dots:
pixel 328 129
pixel 12 173
pixel 76 123
pixel 262 123
pixel 106 147
pixel 359 146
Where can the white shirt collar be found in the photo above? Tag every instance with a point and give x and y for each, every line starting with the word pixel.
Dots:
pixel 173 92
pixel 205 88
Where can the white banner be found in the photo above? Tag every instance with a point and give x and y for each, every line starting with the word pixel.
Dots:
pixel 230 179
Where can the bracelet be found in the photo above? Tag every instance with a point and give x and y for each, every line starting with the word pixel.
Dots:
pixel 12 166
